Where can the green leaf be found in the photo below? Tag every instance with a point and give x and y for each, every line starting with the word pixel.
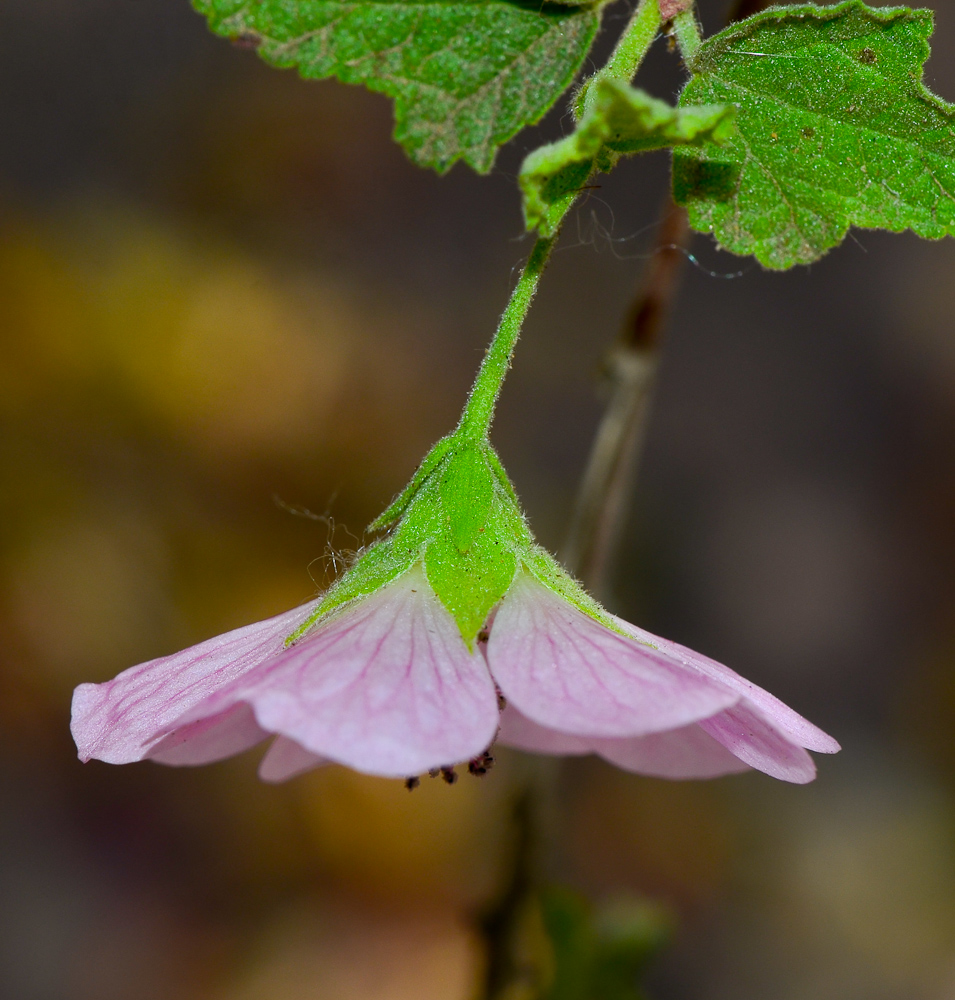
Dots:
pixel 835 129
pixel 399 505
pixel 466 75
pixel 618 120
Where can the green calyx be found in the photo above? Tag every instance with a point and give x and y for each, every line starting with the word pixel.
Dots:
pixel 460 517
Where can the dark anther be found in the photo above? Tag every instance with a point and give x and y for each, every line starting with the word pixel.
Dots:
pixel 412 783
pixel 501 702
pixel 434 772
pixel 481 765
pixel 449 775
pixel 482 635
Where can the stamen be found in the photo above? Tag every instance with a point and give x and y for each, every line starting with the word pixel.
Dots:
pixel 481 765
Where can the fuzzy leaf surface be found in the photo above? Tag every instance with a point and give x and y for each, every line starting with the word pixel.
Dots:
pixel 466 75
pixel 835 129
pixel 619 120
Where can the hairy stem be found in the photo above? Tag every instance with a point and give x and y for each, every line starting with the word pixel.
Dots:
pixel 476 420
pixel 479 411
pixel 636 39
pixel 687 33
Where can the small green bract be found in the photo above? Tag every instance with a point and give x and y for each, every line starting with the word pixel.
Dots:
pixel 618 120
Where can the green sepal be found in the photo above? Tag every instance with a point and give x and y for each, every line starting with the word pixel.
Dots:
pixel 467 489
pixel 375 567
pixel 618 120
pixel 465 75
pixel 470 584
pixel 398 506
pixel 835 129
pixel 504 482
pixel 548 571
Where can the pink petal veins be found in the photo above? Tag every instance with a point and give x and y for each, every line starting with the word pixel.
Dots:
pixel 757 741
pixel 119 721
pixel 386 686
pixel 566 671
pixel 212 739
pixel 771 708
pixel 287 759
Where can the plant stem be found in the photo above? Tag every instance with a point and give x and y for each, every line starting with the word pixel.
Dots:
pixel 476 419
pixel 687 33
pixel 500 923
pixel 631 366
pixel 636 39
pixel 479 411
pixel 628 54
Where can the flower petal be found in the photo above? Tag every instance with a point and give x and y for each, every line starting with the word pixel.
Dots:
pixel 684 753
pixel 386 686
pixel 687 752
pixel 757 741
pixel 519 732
pixel 286 759
pixel 119 721
pixel 563 669
pixel 779 714
pixel 220 736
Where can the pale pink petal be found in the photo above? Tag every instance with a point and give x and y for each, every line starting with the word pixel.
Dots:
pixel 519 732
pixel 286 759
pixel 386 686
pixel 758 742
pixel 684 753
pixel 566 671
pixel 776 712
pixel 208 740
pixel 687 752
pixel 119 721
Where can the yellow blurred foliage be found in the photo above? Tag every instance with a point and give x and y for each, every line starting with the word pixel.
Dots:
pixel 354 954
pixel 205 341
pixel 434 842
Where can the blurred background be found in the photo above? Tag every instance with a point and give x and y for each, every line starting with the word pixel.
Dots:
pixel 233 317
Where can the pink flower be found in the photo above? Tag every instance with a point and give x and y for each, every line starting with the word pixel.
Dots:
pixel 387 685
